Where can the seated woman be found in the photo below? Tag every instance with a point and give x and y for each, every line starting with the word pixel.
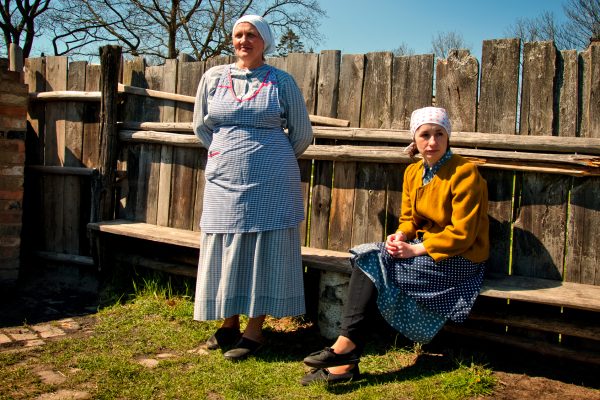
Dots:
pixel 432 268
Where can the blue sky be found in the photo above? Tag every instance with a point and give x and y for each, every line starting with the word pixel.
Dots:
pixel 362 26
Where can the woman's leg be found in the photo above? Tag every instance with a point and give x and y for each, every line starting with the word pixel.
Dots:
pixel 253 330
pixel 359 305
pixel 361 297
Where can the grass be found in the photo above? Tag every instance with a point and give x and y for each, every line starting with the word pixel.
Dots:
pixel 155 325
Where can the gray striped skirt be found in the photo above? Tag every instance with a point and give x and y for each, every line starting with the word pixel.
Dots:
pixel 256 273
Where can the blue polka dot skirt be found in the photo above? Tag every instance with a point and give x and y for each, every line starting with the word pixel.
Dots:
pixel 416 296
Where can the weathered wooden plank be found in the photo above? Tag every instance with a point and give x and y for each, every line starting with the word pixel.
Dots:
pixel 183 190
pixel 56 79
pixel 583 255
pixel 342 206
pixel 499 86
pixel 199 183
pixel 500 197
pixel 328 84
pixel 304 68
pixel 540 227
pixel 74 116
pixel 219 60
pixel 350 89
pixel 543 291
pixel 145 186
pixel 152 107
pixel 73 158
pixel 590 99
pixel 395 175
pixel 278 62
pixel 164 185
pixel 492 141
pixel 568 93
pixel 512 142
pixel 168 84
pixel 377 101
pixel 498 114
pixel 133 75
pixel 457 80
pixel 369 204
pixel 91 120
pixel 147 231
pixel 580 329
pixel 188 77
pixel 306 170
pixel 35 78
pixel 412 87
pixel 54 154
pixel 321 204
pixel 537 93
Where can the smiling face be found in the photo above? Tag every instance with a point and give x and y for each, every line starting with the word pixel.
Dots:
pixel 249 46
pixel 432 142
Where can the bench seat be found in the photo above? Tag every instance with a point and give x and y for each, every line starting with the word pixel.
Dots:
pixel 499 290
pixel 533 290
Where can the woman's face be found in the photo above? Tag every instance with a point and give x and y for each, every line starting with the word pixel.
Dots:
pixel 432 142
pixel 249 45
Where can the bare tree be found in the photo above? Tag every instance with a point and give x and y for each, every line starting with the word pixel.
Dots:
pixel 443 42
pixel 19 18
pixel 583 22
pixel 581 26
pixel 543 27
pixel 403 49
pixel 163 29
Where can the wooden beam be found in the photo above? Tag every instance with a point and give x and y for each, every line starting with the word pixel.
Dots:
pixel 480 140
pixel 110 61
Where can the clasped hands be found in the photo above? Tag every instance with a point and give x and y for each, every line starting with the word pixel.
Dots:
pixel 397 246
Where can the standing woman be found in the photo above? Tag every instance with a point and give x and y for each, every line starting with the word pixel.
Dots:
pixel 431 269
pixel 250 259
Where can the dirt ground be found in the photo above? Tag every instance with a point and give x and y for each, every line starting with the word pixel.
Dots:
pixel 520 376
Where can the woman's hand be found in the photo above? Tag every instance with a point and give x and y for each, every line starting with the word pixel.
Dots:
pixel 393 241
pixel 397 247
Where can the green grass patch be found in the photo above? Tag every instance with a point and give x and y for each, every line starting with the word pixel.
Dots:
pixel 148 347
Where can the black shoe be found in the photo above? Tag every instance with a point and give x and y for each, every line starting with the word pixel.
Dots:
pixel 242 349
pixel 323 375
pixel 328 358
pixel 223 337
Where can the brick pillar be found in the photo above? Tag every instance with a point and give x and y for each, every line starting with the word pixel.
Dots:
pixel 13 117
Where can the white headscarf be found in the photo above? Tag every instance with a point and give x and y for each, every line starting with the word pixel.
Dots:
pixel 263 29
pixel 427 115
pixel 430 115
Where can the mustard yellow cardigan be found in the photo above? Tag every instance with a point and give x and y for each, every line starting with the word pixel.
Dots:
pixel 450 212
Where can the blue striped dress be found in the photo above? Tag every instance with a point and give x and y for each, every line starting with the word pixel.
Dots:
pixel 250 261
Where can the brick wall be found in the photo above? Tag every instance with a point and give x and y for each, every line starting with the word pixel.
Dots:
pixel 13 124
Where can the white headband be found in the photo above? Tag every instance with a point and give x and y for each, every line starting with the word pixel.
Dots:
pixel 263 29
pixel 430 115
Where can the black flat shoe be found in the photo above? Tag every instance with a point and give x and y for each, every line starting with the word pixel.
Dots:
pixel 328 358
pixel 223 337
pixel 318 375
pixel 243 349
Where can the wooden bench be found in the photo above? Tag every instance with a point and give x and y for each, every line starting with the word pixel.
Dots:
pixel 563 295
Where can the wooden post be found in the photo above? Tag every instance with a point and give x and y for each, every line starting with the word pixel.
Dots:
pixel 15 58
pixel 110 64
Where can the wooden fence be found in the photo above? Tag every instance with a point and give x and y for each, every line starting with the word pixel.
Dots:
pixel 558 96
pixel 514 122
